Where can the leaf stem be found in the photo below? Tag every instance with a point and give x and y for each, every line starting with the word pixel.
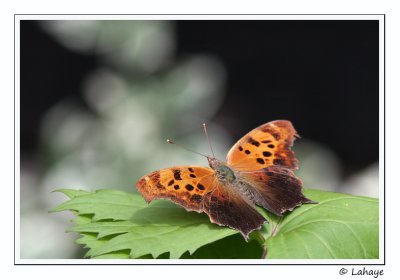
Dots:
pixel 273 232
pixel 258 236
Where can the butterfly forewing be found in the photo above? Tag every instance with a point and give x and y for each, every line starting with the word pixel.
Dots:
pixel 266 145
pixel 185 185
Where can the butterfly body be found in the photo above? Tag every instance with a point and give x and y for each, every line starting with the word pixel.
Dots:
pixel 258 171
pixel 223 173
pixel 233 180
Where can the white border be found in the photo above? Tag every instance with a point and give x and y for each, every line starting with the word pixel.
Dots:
pixel 198 17
pixel 17 115
pixel 381 138
pixel 18 260
pixel 204 261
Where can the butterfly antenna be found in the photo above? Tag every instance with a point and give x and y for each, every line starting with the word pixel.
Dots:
pixel 172 142
pixel 208 139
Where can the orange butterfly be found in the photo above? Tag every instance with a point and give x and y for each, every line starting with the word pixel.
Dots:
pixel 257 171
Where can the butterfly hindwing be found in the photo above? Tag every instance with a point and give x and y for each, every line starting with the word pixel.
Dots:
pixel 225 206
pixel 277 189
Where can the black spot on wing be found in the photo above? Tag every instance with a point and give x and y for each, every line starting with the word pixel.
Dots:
pixel 253 142
pixel 177 174
pixel 160 186
pixel 260 160
pixel 196 198
pixel 267 154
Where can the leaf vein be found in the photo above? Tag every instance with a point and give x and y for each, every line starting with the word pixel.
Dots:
pixel 322 241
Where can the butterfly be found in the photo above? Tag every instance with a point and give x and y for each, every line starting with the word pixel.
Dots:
pixel 258 171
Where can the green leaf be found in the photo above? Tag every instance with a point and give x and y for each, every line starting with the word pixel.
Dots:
pixel 116 224
pixel 123 221
pixel 231 247
pixel 72 193
pixel 338 227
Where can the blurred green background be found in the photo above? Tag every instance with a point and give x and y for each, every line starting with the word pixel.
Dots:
pixel 99 98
